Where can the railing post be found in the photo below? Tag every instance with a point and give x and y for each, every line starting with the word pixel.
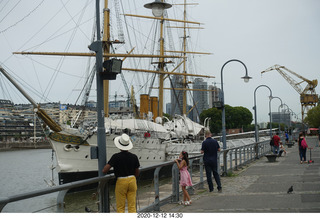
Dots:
pixel 175 183
pixel 236 159
pixel 240 156
pixel 231 161
pixel 156 206
pixel 201 172
pixel 60 201
pixel 190 190
pixel 257 150
pixel 225 163
pixel 2 205
pixel 219 163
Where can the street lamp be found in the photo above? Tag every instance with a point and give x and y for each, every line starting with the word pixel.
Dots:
pixel 246 79
pixel 255 111
pixel 158 7
pixel 270 113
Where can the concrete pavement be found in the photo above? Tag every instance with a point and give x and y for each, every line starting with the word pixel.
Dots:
pixel 262 187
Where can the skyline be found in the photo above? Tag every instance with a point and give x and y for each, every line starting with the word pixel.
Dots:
pixel 259 33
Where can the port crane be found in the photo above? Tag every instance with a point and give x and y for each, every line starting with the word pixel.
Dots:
pixel 308 96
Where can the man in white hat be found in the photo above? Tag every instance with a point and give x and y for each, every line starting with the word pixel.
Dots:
pixel 126 169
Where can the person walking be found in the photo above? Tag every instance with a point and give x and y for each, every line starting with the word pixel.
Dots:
pixel 302 148
pixel 276 139
pixel 185 179
pixel 126 169
pixel 209 149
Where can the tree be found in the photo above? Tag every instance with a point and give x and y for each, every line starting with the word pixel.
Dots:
pixel 236 117
pixel 215 115
pixel 313 117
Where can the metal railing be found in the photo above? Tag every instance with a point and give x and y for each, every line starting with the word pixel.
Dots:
pixel 236 157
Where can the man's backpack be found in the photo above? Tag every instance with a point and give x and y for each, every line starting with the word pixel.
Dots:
pixel 272 142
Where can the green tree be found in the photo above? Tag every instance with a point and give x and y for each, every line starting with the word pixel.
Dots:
pixel 236 117
pixel 313 117
pixel 215 122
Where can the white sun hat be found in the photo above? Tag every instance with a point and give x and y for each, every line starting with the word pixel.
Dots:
pixel 123 142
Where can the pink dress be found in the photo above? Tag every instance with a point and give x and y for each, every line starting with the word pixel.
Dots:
pixel 185 179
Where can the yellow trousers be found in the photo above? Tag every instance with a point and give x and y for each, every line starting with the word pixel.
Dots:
pixel 126 189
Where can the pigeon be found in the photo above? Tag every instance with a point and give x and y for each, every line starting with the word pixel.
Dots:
pixel 87 209
pixel 290 190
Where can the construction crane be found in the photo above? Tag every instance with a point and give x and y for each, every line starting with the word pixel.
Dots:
pixel 308 96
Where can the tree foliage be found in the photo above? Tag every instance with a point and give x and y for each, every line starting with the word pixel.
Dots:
pixel 236 117
pixel 313 117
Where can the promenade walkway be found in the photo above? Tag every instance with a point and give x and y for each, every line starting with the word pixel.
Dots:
pixel 262 187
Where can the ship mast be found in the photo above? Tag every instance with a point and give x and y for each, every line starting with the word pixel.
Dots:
pixel 106 42
pixel 161 68
pixel 184 108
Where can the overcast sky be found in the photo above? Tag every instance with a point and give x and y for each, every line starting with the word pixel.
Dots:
pixel 260 33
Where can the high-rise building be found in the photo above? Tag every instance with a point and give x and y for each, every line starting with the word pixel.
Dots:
pixel 282 117
pixel 200 98
pixel 214 95
pixel 176 95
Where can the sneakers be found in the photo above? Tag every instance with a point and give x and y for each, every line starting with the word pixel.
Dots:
pixel 186 203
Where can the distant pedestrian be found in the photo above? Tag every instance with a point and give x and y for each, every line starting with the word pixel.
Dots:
pixel 287 137
pixel 302 147
pixel 210 148
pixel 276 140
pixel 185 179
pixel 126 169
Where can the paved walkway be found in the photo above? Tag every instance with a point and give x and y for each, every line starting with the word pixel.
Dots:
pixel 262 187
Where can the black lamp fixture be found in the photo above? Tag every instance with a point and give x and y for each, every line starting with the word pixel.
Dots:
pixel 112 67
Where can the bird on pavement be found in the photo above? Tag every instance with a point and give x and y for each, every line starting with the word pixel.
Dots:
pixel 87 209
pixel 290 190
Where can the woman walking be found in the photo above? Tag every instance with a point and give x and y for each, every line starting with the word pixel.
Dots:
pixel 302 148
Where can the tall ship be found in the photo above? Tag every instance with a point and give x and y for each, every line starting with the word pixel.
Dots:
pixel 157 63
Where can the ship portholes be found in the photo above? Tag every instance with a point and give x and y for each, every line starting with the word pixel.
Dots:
pixel 67 147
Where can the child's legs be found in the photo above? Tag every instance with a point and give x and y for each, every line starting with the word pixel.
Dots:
pixel 185 194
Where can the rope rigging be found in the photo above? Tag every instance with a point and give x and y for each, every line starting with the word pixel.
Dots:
pixel 22 19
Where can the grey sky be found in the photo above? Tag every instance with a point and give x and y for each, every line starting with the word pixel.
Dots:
pixel 260 33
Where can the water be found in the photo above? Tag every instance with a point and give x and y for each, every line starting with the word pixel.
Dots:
pixel 25 171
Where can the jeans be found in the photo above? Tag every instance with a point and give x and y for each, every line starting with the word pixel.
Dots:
pixel 211 167
pixel 302 153
pixel 275 149
pixel 126 189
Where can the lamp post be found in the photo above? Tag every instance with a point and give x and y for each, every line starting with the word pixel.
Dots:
pixel 246 79
pixel 270 113
pixel 255 111
pixel 256 135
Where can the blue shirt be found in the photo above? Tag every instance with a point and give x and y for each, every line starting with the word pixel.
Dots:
pixel 210 148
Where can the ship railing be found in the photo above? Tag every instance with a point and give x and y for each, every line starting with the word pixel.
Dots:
pixel 237 157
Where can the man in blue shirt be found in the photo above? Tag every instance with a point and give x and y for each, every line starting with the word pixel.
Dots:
pixel 209 149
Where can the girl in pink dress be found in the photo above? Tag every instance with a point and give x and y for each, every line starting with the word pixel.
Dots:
pixel 185 179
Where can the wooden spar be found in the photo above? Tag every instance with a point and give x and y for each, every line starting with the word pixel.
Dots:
pixel 165 72
pixel 161 18
pixel 40 112
pixel 188 89
pixel 200 53
pixel 93 54
pixel 185 27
